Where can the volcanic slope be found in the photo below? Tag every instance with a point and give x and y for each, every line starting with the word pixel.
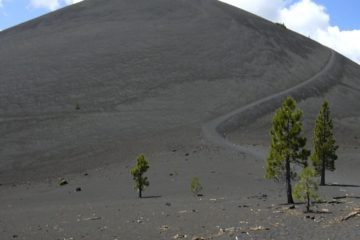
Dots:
pixel 89 87
pixel 100 81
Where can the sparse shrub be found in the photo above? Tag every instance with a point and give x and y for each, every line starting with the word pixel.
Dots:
pixel 137 172
pixel 195 186
pixel 282 25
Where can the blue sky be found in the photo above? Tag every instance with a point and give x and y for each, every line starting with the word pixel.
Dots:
pixel 334 23
pixel 13 12
pixel 345 14
pixel 18 11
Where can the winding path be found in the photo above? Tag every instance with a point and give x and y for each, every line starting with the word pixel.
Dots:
pixel 215 131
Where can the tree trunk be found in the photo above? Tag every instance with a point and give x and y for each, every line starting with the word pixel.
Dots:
pixel 322 180
pixel 140 193
pixel 308 202
pixel 288 182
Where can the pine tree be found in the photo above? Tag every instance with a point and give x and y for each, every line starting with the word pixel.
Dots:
pixel 325 147
pixel 307 187
pixel 137 172
pixel 287 145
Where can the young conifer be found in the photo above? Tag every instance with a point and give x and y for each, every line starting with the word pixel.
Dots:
pixel 325 147
pixel 287 145
pixel 137 172
pixel 195 186
pixel 307 187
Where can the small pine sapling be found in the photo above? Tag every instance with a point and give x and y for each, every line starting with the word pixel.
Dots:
pixel 195 186
pixel 306 188
pixel 137 172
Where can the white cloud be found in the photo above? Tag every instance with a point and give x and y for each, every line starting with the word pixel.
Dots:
pixel 268 9
pixel 345 42
pixel 68 2
pixel 307 18
pixel 51 4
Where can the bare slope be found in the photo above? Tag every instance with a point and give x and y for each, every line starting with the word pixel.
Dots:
pixel 146 75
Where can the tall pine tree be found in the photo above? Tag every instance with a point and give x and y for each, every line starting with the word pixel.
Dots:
pixel 287 145
pixel 325 147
